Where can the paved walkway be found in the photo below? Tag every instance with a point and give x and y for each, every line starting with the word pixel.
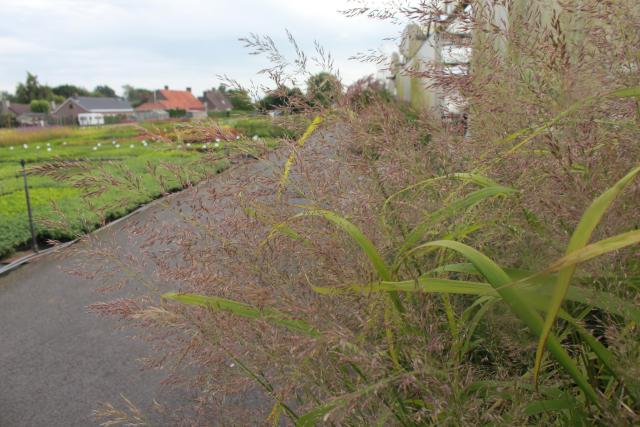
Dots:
pixel 57 360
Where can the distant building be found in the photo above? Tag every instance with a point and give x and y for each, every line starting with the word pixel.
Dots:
pixel 443 47
pixel 90 119
pixel 23 114
pixel 215 100
pixel 173 100
pixel 71 110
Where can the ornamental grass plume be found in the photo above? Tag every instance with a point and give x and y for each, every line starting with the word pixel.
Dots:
pixel 409 272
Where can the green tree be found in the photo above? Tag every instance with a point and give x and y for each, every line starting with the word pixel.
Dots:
pixel 32 89
pixel 58 99
pixel 68 90
pixel 5 96
pixel 137 96
pixel 104 90
pixel 283 98
pixel 240 99
pixel 323 89
pixel 40 106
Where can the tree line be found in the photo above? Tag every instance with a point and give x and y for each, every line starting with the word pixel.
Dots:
pixel 322 89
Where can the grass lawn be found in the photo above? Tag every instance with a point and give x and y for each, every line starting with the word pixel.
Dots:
pixel 124 166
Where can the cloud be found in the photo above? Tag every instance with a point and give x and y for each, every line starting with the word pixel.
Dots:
pixel 150 43
pixel 15 47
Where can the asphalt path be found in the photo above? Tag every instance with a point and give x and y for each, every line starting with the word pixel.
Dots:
pixel 58 360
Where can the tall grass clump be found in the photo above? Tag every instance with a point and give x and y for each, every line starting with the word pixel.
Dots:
pixel 391 270
pixel 26 136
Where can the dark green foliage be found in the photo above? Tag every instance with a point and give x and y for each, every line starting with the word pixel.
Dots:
pixel 32 89
pixel 239 98
pixel 137 96
pixel 283 98
pixel 40 106
pixel 69 90
pixel 323 89
pixel 104 90
pixel 223 114
pixel 177 113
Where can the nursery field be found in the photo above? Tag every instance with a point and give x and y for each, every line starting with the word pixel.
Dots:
pixel 80 178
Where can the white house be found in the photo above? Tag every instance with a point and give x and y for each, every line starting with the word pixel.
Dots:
pixel 70 110
pixel 439 48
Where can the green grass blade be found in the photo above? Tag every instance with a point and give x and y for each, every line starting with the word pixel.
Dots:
pixel 605 356
pixel 467 202
pixel 374 257
pixel 268 315
pixel 543 284
pixel 422 284
pixel 594 250
pixel 499 279
pixel 480 180
pixel 533 132
pixel 354 232
pixel 627 92
pixel 604 301
pixel 319 413
pixel 281 228
pixel 284 178
pixel 579 239
pixel 473 324
pixel 487 296
pixel 544 406
pixel 264 383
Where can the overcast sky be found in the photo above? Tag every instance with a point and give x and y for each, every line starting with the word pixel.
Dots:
pixel 180 43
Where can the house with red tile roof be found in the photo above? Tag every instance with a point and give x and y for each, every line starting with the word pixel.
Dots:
pixel 167 99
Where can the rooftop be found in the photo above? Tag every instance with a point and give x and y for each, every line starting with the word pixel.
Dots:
pixel 97 104
pixel 173 100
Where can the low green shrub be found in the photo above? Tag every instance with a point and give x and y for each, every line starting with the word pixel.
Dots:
pixel 262 127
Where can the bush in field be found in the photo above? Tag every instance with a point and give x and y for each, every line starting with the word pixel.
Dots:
pixel 40 106
pixel 240 99
pixel 177 113
pixel 323 89
pixel 285 99
pixel 365 92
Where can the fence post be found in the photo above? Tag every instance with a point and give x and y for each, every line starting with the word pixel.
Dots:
pixel 34 242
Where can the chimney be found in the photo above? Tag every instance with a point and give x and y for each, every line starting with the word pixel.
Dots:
pixel 166 87
pixel 189 89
